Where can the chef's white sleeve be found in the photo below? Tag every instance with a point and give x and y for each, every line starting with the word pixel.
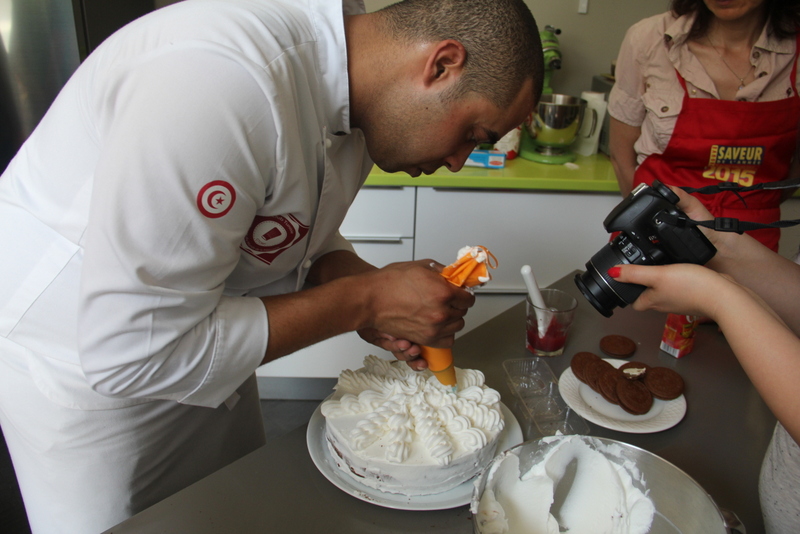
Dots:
pixel 186 135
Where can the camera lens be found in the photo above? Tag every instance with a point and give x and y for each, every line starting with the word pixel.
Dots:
pixel 602 291
pixel 594 292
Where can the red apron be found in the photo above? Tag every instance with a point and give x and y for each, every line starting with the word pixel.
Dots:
pixel 731 141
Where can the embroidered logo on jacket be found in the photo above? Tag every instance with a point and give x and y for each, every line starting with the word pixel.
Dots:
pixel 269 237
pixel 216 198
pixel 736 164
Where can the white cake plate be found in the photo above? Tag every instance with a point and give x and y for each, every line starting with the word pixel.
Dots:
pixel 458 496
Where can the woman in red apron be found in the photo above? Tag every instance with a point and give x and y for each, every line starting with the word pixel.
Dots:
pixel 743 131
pixel 731 141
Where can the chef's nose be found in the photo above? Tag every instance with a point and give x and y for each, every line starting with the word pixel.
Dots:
pixel 456 161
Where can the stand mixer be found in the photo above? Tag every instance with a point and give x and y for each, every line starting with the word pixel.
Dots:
pixel 549 132
pixel 552 55
pixel 554 125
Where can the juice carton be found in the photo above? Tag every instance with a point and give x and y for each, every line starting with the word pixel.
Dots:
pixel 678 336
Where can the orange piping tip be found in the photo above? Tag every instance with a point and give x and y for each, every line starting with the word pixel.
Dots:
pixel 447 377
pixel 440 363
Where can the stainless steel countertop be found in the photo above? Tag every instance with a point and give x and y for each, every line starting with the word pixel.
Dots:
pixel 720 443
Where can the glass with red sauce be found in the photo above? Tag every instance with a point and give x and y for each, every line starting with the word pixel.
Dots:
pixel 547 328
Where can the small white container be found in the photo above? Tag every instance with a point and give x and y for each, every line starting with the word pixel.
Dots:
pixel 589 135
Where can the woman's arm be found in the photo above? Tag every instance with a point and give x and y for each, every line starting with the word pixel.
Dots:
pixel 767 349
pixel 623 157
pixel 772 277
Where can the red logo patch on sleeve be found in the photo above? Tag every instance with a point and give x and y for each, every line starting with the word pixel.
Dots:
pixel 216 198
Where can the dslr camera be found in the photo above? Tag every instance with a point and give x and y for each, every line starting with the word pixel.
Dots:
pixel 645 238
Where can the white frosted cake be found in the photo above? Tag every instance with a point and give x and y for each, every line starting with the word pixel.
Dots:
pixel 401 431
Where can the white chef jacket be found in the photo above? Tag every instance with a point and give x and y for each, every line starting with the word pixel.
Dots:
pixel 201 157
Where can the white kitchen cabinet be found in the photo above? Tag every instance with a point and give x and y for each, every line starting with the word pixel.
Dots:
pixel 380 224
pixel 553 232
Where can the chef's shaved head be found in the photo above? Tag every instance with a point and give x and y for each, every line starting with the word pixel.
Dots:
pixel 500 37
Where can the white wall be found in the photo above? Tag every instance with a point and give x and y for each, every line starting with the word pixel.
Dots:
pixel 590 42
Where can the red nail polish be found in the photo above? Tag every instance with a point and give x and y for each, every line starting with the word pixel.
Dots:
pixel 614 272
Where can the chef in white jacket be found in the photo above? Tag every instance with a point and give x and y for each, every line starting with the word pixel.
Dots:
pixel 160 227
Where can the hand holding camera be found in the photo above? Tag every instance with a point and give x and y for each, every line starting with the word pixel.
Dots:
pixel 648 235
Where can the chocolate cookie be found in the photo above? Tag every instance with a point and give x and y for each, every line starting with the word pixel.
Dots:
pixel 593 371
pixel 664 383
pixel 634 370
pixel 618 346
pixel 634 397
pixel 579 362
pixel 608 384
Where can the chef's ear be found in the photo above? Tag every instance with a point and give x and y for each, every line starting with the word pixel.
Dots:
pixel 445 63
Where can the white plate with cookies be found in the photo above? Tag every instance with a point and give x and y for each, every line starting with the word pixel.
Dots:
pixel 591 405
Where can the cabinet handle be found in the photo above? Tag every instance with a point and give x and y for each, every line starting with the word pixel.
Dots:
pixel 373 239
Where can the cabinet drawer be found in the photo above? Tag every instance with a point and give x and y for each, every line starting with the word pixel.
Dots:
pixel 382 253
pixel 381 213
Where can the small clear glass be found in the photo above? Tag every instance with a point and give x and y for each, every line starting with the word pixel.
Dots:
pixel 546 328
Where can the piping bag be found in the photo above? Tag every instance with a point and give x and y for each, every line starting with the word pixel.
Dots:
pixel 471 269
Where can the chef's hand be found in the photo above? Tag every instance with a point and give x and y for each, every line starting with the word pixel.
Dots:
pixel 402 349
pixel 415 306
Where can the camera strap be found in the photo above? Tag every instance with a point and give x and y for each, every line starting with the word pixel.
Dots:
pixel 724 224
pixel 736 189
pixel 729 224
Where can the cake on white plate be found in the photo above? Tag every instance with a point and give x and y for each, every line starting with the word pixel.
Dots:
pixel 401 431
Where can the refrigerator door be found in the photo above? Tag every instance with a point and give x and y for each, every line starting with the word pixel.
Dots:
pixel 97 19
pixel 42 42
